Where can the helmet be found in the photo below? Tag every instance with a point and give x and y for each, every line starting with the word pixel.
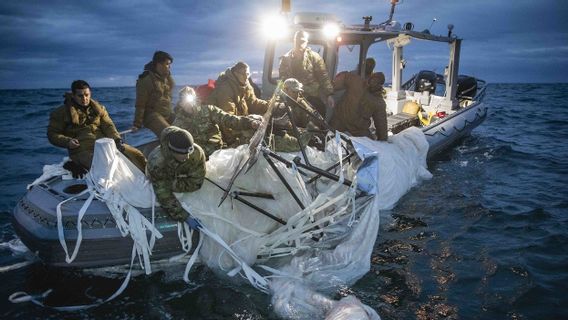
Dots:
pixel 292 85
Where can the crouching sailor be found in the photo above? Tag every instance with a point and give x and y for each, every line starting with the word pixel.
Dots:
pixel 205 122
pixel 78 123
pixel 176 165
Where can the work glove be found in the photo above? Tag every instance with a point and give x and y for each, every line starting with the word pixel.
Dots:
pixel 193 223
pixel 119 145
pixel 77 170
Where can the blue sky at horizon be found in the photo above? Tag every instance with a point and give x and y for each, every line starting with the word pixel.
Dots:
pixel 47 44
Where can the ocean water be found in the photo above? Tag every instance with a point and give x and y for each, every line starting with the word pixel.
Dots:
pixel 486 238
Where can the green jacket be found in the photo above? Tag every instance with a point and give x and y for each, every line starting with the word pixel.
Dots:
pixel 234 98
pixel 71 121
pixel 169 176
pixel 153 95
pixel 356 108
pixel 205 123
pixel 310 70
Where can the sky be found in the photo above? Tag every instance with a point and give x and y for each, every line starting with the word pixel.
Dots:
pixel 48 44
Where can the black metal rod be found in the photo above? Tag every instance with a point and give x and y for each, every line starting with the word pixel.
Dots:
pixel 255 207
pixel 254 194
pixel 297 134
pixel 317 170
pixel 314 178
pixel 251 205
pixel 286 184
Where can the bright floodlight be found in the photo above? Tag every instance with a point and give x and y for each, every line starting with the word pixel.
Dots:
pixel 330 30
pixel 189 98
pixel 275 27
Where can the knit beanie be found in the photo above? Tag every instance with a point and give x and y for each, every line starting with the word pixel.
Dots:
pixel 180 142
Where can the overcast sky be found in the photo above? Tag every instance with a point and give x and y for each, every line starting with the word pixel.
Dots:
pixel 47 44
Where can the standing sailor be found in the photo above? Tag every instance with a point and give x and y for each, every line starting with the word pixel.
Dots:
pixel 154 89
pixel 361 102
pixel 309 68
pixel 78 123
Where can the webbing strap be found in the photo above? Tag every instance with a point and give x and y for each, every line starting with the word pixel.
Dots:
pixel 21 296
pixel 79 225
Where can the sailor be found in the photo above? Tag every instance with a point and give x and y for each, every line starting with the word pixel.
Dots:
pixel 309 68
pixel 361 102
pixel 294 97
pixel 78 123
pixel 176 165
pixel 234 94
pixel 369 67
pixel 204 121
pixel 154 89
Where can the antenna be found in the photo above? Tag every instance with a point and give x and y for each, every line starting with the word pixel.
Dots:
pixel 431 24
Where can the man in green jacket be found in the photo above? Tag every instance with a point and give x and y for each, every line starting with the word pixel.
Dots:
pixel 361 102
pixel 154 89
pixel 79 122
pixel 205 122
pixel 234 94
pixel 309 68
pixel 176 165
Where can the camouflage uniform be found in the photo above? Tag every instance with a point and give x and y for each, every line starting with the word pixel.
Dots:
pixel 169 176
pixel 88 124
pixel 358 106
pixel 153 100
pixel 236 99
pixel 310 70
pixel 205 123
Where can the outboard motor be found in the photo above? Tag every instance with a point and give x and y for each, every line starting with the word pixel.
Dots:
pixel 425 81
pixel 467 87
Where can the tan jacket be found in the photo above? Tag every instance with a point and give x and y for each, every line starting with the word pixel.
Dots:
pixel 234 98
pixel 356 108
pixel 310 70
pixel 153 95
pixel 70 121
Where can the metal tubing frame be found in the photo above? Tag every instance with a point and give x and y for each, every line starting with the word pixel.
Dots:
pixel 281 177
pixel 317 170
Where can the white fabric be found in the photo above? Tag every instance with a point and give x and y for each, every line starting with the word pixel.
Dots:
pixel 349 226
pixel 235 237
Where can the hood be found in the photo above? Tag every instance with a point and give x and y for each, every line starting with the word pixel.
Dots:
pixel 93 108
pixel 151 68
pixel 229 77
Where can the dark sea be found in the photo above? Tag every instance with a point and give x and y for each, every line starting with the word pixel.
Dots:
pixel 485 238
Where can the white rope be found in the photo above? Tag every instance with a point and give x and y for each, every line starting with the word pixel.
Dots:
pixel 21 296
pixel 79 225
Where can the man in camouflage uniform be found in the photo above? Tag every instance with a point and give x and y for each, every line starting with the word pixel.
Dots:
pixel 205 121
pixel 234 94
pixel 79 122
pixel 361 102
pixel 176 165
pixel 294 98
pixel 154 89
pixel 309 68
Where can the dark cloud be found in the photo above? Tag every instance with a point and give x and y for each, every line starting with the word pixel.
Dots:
pixel 50 43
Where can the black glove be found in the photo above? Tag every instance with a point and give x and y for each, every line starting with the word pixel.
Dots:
pixel 119 145
pixel 77 170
